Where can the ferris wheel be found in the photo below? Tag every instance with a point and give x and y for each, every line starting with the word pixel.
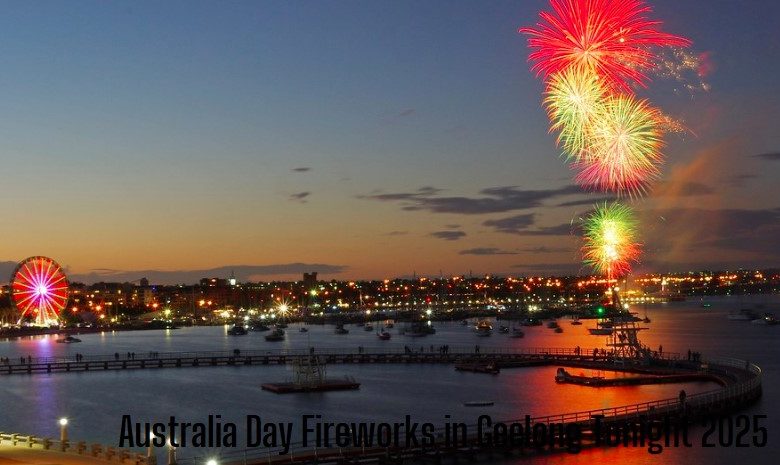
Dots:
pixel 39 289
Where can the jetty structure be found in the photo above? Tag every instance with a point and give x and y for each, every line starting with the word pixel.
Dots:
pixel 309 376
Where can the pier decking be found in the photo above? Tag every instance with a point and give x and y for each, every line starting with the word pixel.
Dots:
pixel 503 358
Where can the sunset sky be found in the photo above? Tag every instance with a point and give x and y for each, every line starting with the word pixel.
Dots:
pixel 363 139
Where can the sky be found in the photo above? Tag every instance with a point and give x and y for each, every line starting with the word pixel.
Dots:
pixel 357 139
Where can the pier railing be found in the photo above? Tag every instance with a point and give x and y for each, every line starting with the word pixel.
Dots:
pixel 79 448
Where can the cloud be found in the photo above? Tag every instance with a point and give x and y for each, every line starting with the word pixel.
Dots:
pixel 545 249
pixel 520 224
pixel 682 189
pixel 493 199
pixel 769 156
pixel 486 251
pixel 241 272
pixel 513 224
pixel 301 169
pixel 406 112
pixel 448 235
pixel 587 201
pixel 300 196
pixel 738 180
pixel 397 233
pixel 689 235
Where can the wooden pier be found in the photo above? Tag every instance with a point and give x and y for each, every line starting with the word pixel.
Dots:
pixel 502 358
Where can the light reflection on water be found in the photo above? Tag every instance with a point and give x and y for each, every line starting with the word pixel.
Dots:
pixel 95 402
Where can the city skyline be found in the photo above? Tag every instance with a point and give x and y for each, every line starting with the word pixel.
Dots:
pixel 187 136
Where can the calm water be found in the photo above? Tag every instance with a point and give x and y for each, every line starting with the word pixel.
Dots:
pixel 95 402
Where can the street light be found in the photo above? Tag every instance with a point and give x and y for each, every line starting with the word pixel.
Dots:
pixel 211 462
pixel 63 430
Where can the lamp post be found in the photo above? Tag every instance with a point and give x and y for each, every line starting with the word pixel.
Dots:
pixel 171 454
pixel 63 430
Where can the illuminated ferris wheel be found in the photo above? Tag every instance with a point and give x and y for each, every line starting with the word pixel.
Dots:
pixel 39 289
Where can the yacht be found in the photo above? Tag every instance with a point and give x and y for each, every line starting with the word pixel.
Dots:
pixel 304 329
pixel 340 329
pixel 237 330
pixel 259 327
pixel 276 335
pixel 517 333
pixel 383 335
pixel 483 328
pixel 368 327
pixel 576 321
pixel 503 329
pixel 68 340
pixel 767 319
pixel 553 324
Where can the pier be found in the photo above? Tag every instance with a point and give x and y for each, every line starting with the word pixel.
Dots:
pixel 502 358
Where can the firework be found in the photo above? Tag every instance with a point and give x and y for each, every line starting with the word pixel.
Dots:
pixel 573 99
pixel 611 38
pixel 610 240
pixel 686 68
pixel 623 143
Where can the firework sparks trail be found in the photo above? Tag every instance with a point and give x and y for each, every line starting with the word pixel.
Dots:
pixel 613 39
pixel 622 149
pixel 610 244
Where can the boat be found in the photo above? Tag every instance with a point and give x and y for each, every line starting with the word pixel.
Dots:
pixel 389 324
pixel 706 304
pixel 383 335
pixel 503 329
pixel 531 322
pixel 68 340
pixel 237 330
pixel 767 319
pixel 576 321
pixel 478 367
pixel 744 314
pixel 558 329
pixel 478 403
pixel 419 329
pixel 464 322
pixel 304 329
pixel 259 327
pixel 276 335
pixel 483 328
pixel 600 331
pixel 553 325
pixel 281 325
pixel 517 333
pixel 368 327
pixel 340 329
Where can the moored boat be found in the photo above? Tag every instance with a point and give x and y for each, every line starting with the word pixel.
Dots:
pixel 276 335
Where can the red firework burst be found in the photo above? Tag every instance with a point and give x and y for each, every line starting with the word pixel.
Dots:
pixel 612 38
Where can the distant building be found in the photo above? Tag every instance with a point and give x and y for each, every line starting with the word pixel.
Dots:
pixel 143 282
pixel 310 280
